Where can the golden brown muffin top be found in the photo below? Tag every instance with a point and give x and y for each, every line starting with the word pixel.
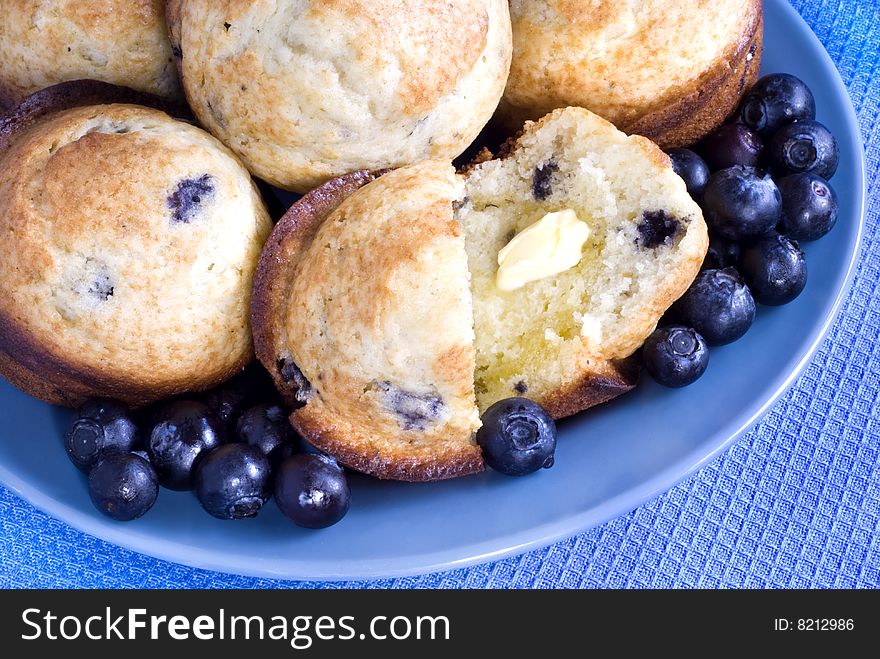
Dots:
pixel 129 242
pixel 362 312
pixel 620 58
pixel 305 90
pixel 125 42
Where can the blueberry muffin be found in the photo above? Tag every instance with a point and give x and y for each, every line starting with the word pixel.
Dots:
pixel 671 70
pixel 564 339
pixel 306 90
pixel 391 309
pixel 362 313
pixel 125 42
pixel 129 241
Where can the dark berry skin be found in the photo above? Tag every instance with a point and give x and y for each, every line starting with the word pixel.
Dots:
pixel 718 305
pixel 182 433
pixel 805 146
pixel 776 100
pixel 232 481
pixel 732 144
pixel 267 428
pixel 721 254
pixel 123 486
pixel 517 437
pixel 542 180
pixel 230 399
pixel 741 202
pixel 774 269
pixel 809 206
pixel 227 404
pixel 312 491
pixel 675 356
pixel 692 169
pixel 101 426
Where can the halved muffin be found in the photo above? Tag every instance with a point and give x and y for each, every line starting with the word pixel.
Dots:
pixel 361 311
pixel 377 305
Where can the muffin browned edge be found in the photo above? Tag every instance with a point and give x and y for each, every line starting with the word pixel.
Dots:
pixel 273 276
pixel 74 94
pixel 272 282
pixel 26 364
pixel 593 388
pixel 715 96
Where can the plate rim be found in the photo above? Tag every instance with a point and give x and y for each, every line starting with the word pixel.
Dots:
pixel 539 536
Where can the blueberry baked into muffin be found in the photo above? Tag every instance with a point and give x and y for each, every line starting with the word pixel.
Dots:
pixel 129 242
pixel 671 70
pixel 306 90
pixel 125 42
pixel 393 308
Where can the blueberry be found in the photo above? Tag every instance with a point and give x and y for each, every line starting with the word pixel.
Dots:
pixel 101 426
pixel 692 169
pixel 776 100
pixel 721 254
pixel 414 410
pixel 732 144
pixel 774 269
pixel 123 486
pixel 542 180
pixel 182 433
pixel 312 490
pixel 230 399
pixel 809 206
pixel 657 228
pixel 805 146
pixel 232 481
pixel 741 202
pixel 266 427
pixel 189 195
pixel 517 437
pixel 296 381
pixel 227 404
pixel 718 305
pixel 285 451
pixel 675 356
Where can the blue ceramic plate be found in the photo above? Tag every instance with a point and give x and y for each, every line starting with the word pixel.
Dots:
pixel 608 462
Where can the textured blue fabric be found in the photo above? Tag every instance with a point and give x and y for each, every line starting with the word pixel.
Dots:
pixel 795 503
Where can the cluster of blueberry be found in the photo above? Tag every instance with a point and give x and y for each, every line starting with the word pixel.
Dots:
pixel 231 447
pixel 235 453
pixel 762 182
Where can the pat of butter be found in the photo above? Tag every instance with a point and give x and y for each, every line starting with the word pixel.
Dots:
pixel 551 245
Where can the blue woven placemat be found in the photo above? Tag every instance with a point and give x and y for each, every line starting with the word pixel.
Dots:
pixel 795 503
